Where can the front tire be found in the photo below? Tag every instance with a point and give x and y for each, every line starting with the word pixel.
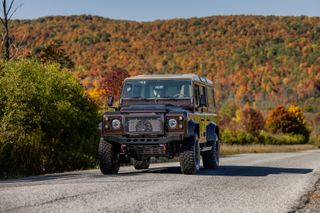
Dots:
pixel 108 157
pixel 190 156
pixel 211 159
pixel 141 164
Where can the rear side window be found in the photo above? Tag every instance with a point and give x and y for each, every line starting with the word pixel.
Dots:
pixel 210 96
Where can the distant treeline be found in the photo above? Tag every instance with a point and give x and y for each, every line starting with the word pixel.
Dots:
pixel 263 60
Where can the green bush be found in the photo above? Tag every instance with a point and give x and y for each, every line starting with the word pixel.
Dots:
pixel 239 137
pixel 47 122
pixel 242 138
pixel 281 139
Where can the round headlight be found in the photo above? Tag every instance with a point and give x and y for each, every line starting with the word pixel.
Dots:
pixel 116 124
pixel 172 123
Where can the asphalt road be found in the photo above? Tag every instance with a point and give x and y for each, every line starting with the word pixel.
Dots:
pixel 244 183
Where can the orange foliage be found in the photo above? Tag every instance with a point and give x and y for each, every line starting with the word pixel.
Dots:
pixel 267 60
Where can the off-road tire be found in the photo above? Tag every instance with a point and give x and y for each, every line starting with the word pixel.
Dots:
pixel 211 158
pixel 190 156
pixel 108 158
pixel 141 164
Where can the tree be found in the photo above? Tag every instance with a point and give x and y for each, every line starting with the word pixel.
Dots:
pixel 47 123
pixel 8 12
pixel 53 52
pixel 251 120
pixel 112 81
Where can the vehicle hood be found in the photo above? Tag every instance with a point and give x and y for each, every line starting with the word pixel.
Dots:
pixel 159 108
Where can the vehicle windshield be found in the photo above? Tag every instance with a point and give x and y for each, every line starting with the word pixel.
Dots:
pixel 155 89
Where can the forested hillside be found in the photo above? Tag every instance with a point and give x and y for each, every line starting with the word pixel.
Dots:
pixel 262 60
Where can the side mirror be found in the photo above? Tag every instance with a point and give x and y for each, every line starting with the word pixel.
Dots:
pixel 203 101
pixel 110 101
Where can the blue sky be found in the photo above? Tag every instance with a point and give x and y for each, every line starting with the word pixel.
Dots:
pixel 147 10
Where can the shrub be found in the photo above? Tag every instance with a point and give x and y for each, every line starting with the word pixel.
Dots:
pixel 291 121
pixel 47 122
pixel 242 138
pixel 238 137
pixel 280 139
pixel 278 120
pixel 251 120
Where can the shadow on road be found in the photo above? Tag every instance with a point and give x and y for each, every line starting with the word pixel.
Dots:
pixel 44 178
pixel 236 171
pixel 226 170
pixel 253 171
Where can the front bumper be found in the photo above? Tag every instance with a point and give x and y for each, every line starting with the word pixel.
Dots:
pixel 143 140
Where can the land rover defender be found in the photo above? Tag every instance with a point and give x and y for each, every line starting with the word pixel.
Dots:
pixel 161 116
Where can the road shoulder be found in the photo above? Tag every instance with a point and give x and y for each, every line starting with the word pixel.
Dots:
pixel 310 202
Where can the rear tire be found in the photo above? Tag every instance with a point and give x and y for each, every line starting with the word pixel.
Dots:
pixel 190 156
pixel 211 159
pixel 108 158
pixel 143 164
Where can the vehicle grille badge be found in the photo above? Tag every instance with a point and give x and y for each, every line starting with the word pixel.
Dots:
pixel 144 126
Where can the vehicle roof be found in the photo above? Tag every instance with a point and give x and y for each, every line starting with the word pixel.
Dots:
pixel 193 77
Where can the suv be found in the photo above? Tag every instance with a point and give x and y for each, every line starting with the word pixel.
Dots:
pixel 161 116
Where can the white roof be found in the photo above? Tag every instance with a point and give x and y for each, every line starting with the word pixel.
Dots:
pixel 171 76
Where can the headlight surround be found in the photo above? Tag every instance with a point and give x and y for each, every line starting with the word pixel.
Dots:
pixel 116 124
pixel 172 123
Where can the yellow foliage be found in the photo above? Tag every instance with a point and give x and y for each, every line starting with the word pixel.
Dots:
pixel 297 113
pixel 238 116
pixel 95 94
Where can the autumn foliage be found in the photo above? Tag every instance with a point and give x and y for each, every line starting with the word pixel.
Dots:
pixel 287 120
pixel 112 81
pixel 53 53
pixel 251 120
pixel 267 60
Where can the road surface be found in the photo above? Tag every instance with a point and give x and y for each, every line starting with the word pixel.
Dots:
pixel 244 183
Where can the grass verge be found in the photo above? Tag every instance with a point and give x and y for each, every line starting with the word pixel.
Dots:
pixel 227 149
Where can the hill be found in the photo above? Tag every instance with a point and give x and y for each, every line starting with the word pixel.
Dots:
pixel 262 60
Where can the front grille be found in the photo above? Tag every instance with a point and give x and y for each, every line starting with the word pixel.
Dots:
pixel 144 125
